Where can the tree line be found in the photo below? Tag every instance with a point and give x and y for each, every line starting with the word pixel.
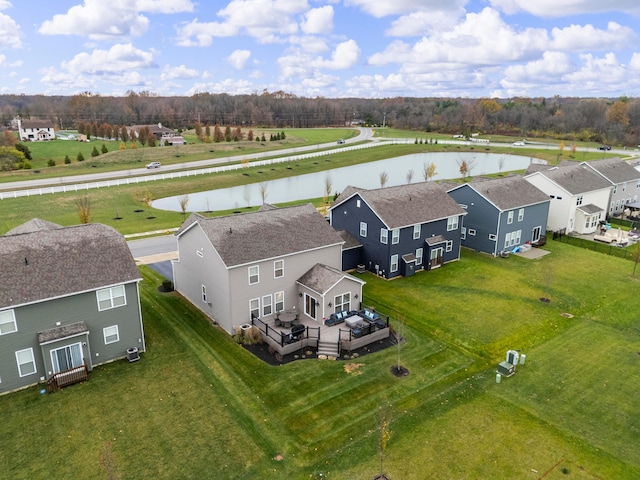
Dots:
pixel 615 121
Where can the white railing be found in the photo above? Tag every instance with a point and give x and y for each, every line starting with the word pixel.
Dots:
pixel 187 173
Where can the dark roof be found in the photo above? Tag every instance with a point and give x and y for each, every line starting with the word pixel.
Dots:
pixel 508 193
pixel 255 236
pixel 58 262
pixel 24 124
pixel 63 331
pixel 410 204
pixel 435 240
pixel 615 169
pixel 576 179
pixel 349 240
pixel 590 209
pixel 536 167
pixel 320 278
pixel 33 225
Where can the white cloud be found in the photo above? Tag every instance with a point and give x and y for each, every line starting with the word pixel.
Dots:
pixel 555 8
pixel 98 19
pixel 4 4
pixel 318 20
pixel 383 8
pixel 10 33
pixel 232 86
pixel 424 23
pixel 344 56
pixel 581 38
pixel 239 58
pixel 180 72
pixel 201 34
pixel 551 65
pixel 120 59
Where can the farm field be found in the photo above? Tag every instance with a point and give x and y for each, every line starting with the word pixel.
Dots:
pixel 198 405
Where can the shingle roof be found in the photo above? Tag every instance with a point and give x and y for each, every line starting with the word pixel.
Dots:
pixel 576 179
pixel 349 240
pixel 24 124
pixel 320 278
pixel 255 236
pixel 58 262
pixel 33 225
pixel 410 204
pixel 615 169
pixel 509 192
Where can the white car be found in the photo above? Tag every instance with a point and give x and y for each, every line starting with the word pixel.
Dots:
pixel 153 165
pixel 519 143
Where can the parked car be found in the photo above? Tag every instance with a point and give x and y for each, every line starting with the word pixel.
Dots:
pixel 519 143
pixel 604 147
pixel 341 141
pixel 153 165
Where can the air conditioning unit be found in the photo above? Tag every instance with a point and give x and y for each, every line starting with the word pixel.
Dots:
pixel 133 355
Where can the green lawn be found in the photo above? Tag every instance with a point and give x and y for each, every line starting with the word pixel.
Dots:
pixel 197 405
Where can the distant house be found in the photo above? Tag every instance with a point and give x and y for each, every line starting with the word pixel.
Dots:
pixel 68 301
pixel 173 140
pixel 249 266
pixel 502 213
pixel 579 197
pixel 35 130
pixel 157 130
pixel 400 229
pixel 625 181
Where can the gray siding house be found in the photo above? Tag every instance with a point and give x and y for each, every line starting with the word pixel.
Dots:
pixel 400 229
pixel 254 265
pixel 625 181
pixel 502 213
pixel 68 300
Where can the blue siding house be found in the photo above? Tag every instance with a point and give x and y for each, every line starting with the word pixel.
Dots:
pixel 502 213
pixel 400 229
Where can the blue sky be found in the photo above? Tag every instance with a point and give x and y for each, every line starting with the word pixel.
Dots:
pixel 329 48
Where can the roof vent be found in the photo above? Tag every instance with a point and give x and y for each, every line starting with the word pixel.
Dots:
pixel 26 261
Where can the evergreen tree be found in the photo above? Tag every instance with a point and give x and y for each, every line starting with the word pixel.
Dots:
pixel 67 160
pixel 80 157
pixel 104 148
pixel 94 152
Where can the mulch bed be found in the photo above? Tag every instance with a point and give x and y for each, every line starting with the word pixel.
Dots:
pixel 262 352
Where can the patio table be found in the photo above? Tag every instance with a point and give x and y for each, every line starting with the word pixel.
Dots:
pixel 354 321
pixel 287 319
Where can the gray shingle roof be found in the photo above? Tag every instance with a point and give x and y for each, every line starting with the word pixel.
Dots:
pixel 410 204
pixel 509 192
pixel 51 263
pixel 349 240
pixel 320 278
pixel 255 236
pixel 33 225
pixel 615 169
pixel 576 179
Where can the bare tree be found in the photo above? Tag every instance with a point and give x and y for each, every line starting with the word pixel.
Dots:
pixel 83 205
pixel 183 200
pixel 384 177
pixel 246 193
pixel 263 191
pixel 410 175
pixel 384 437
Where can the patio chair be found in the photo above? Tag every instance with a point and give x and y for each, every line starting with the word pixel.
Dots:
pixel 278 322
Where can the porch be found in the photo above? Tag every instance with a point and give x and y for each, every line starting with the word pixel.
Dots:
pixel 306 332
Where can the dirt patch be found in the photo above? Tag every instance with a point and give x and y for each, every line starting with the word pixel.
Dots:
pixel 353 368
pixel 399 371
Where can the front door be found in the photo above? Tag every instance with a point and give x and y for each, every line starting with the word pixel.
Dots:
pixel 535 235
pixel 66 358
pixel 435 258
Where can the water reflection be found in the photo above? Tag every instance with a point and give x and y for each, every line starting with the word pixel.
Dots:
pixel 398 170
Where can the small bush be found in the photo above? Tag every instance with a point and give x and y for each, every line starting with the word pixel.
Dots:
pixel 51 162
pixel 167 285
pixel 67 160
pixel 80 157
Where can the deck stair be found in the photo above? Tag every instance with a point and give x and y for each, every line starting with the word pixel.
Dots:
pixel 330 349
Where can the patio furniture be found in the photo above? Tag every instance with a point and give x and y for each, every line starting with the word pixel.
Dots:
pixel 287 319
pixel 354 321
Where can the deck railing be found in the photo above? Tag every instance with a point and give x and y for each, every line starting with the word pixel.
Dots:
pixel 68 377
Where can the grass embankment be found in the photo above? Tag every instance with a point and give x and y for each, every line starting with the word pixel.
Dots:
pixel 198 406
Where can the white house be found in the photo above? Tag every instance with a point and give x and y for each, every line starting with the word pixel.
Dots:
pixel 35 130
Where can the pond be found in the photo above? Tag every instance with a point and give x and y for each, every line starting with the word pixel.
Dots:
pixel 365 175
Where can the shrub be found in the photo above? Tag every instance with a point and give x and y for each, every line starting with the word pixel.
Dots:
pixel 167 285
pixel 94 152
pixel 51 162
pixel 67 160
pixel 80 157
pixel 104 148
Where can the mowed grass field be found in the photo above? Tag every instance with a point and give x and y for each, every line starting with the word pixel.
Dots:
pixel 198 405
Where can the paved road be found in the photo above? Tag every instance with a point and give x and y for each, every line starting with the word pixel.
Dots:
pixel 157 252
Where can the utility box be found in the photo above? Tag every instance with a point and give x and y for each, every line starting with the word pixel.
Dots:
pixel 506 369
pixel 133 355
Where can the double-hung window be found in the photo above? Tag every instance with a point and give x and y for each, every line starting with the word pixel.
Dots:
pixel 254 274
pixel 254 308
pixel 452 223
pixel 111 334
pixel 521 214
pixel 267 305
pixel 579 200
pixel 26 362
pixel 111 297
pixel 384 233
pixel 449 246
pixel 394 263
pixel 510 217
pixel 342 302
pixel 395 236
pixel 279 300
pixel 416 232
pixel 278 268
pixel 363 229
pixel 419 256
pixel 8 322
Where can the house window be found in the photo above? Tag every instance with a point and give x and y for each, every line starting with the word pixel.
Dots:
pixel 579 200
pixel 638 184
pixel 254 274
pixel 254 308
pixel 395 236
pixel 592 221
pixel 204 294
pixel 111 298
pixel 472 232
pixel 452 223
pixel 624 187
pixel 384 233
pixel 363 229
pixel 419 256
pixel 8 322
pixel 394 263
pixel 278 269
pixel 510 217
pixel 493 237
pixel 310 305
pixel 463 233
pixel 417 231
pixel 66 358
pixel 449 246
pixel 615 189
pixel 111 334
pixel 200 253
pixel 358 203
pixel 611 207
pixel 26 362
pixel 267 305
pixel 279 299
pixel 521 214
pixel 342 302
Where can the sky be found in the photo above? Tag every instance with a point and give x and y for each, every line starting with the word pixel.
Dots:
pixel 322 48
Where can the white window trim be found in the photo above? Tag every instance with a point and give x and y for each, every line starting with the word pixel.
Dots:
pixel 276 269
pixel 257 274
pixel 521 214
pixel 472 232
pixel 256 309
pixel 363 229
pixel 510 217
pixel 384 236
pixel 393 266
pixel 449 246
pixel 417 231
pixel 276 306
pixel 452 223
pixel 267 302
pixel 395 236
pixel 33 360
pixel 204 293
pixel 111 298
pixel 8 313
pixel 106 333
pixel 463 233
pixel 419 256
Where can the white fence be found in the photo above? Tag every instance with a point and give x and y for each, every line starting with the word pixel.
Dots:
pixel 186 173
